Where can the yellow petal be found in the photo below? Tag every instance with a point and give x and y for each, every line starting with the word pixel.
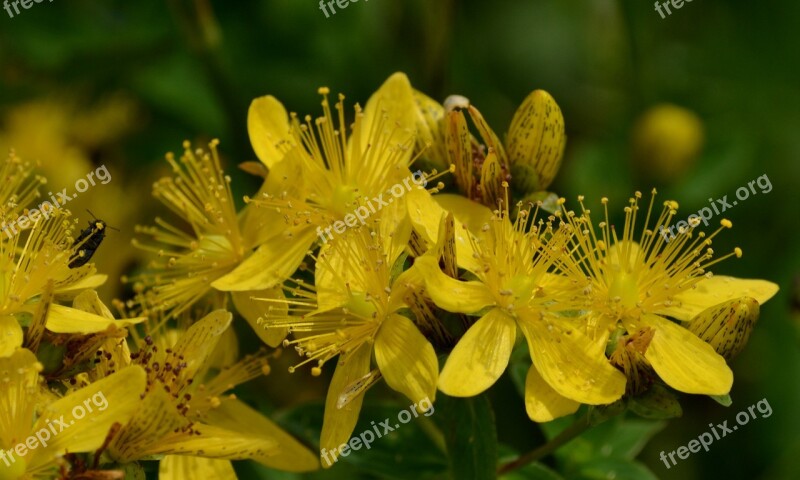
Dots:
pixel 425 215
pixel 715 290
pixel 536 142
pixel 406 359
pixel 268 126
pixel 567 360
pixel 197 344
pixel 10 335
pixel 273 262
pixel 480 356
pixel 451 294
pixel 391 109
pixel 89 301
pixel 61 319
pixel 338 424
pixel 144 433
pixel 472 214
pixel 288 454
pixel 180 467
pixel 259 223
pixel 685 362
pixel 430 136
pixel 251 306
pixel 542 403
pixel 89 413
pixel 18 396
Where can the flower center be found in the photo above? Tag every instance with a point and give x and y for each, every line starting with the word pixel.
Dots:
pixel 361 306
pixel 343 199
pixel 624 287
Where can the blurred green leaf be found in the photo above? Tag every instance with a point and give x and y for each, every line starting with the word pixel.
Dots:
pixel 469 428
pixel 612 468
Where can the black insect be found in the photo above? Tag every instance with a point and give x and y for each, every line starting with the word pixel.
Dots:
pixel 88 242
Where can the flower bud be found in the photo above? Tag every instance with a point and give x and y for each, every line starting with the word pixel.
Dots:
pixel 727 326
pixel 536 141
pixel 666 141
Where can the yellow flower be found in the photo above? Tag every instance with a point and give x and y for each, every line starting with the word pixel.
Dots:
pixel 184 410
pixel 319 174
pixel 31 412
pixel 352 311
pixel 666 142
pixel 34 260
pixel 513 290
pixel 636 281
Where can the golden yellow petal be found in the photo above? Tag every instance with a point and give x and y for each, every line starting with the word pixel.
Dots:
pixel 273 262
pixel 149 429
pixel 268 126
pixel 406 359
pixel 338 424
pixel 10 335
pixel 685 362
pixel 430 136
pixel 288 454
pixel 63 319
pixel 197 344
pixel 18 396
pixel 542 403
pixel 251 306
pixel 480 356
pixel 451 294
pixel 425 215
pixel 391 111
pixel 469 213
pixel 715 290
pixel 180 467
pixel 536 141
pixel 89 301
pixel 567 360
pixel 88 414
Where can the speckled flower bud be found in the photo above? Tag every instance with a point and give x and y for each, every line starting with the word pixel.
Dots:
pixel 536 141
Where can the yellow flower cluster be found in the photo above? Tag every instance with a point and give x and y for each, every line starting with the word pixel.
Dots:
pixel 606 314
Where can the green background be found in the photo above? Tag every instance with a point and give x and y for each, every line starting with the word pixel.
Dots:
pixel 735 64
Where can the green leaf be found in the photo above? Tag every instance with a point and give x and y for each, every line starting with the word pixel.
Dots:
pixel 470 434
pixel 620 438
pixel 533 471
pixel 612 468
pixel 724 400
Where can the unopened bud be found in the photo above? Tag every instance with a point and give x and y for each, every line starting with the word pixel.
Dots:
pixel 536 141
pixel 727 326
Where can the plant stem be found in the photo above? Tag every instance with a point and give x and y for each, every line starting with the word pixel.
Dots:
pixel 562 438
